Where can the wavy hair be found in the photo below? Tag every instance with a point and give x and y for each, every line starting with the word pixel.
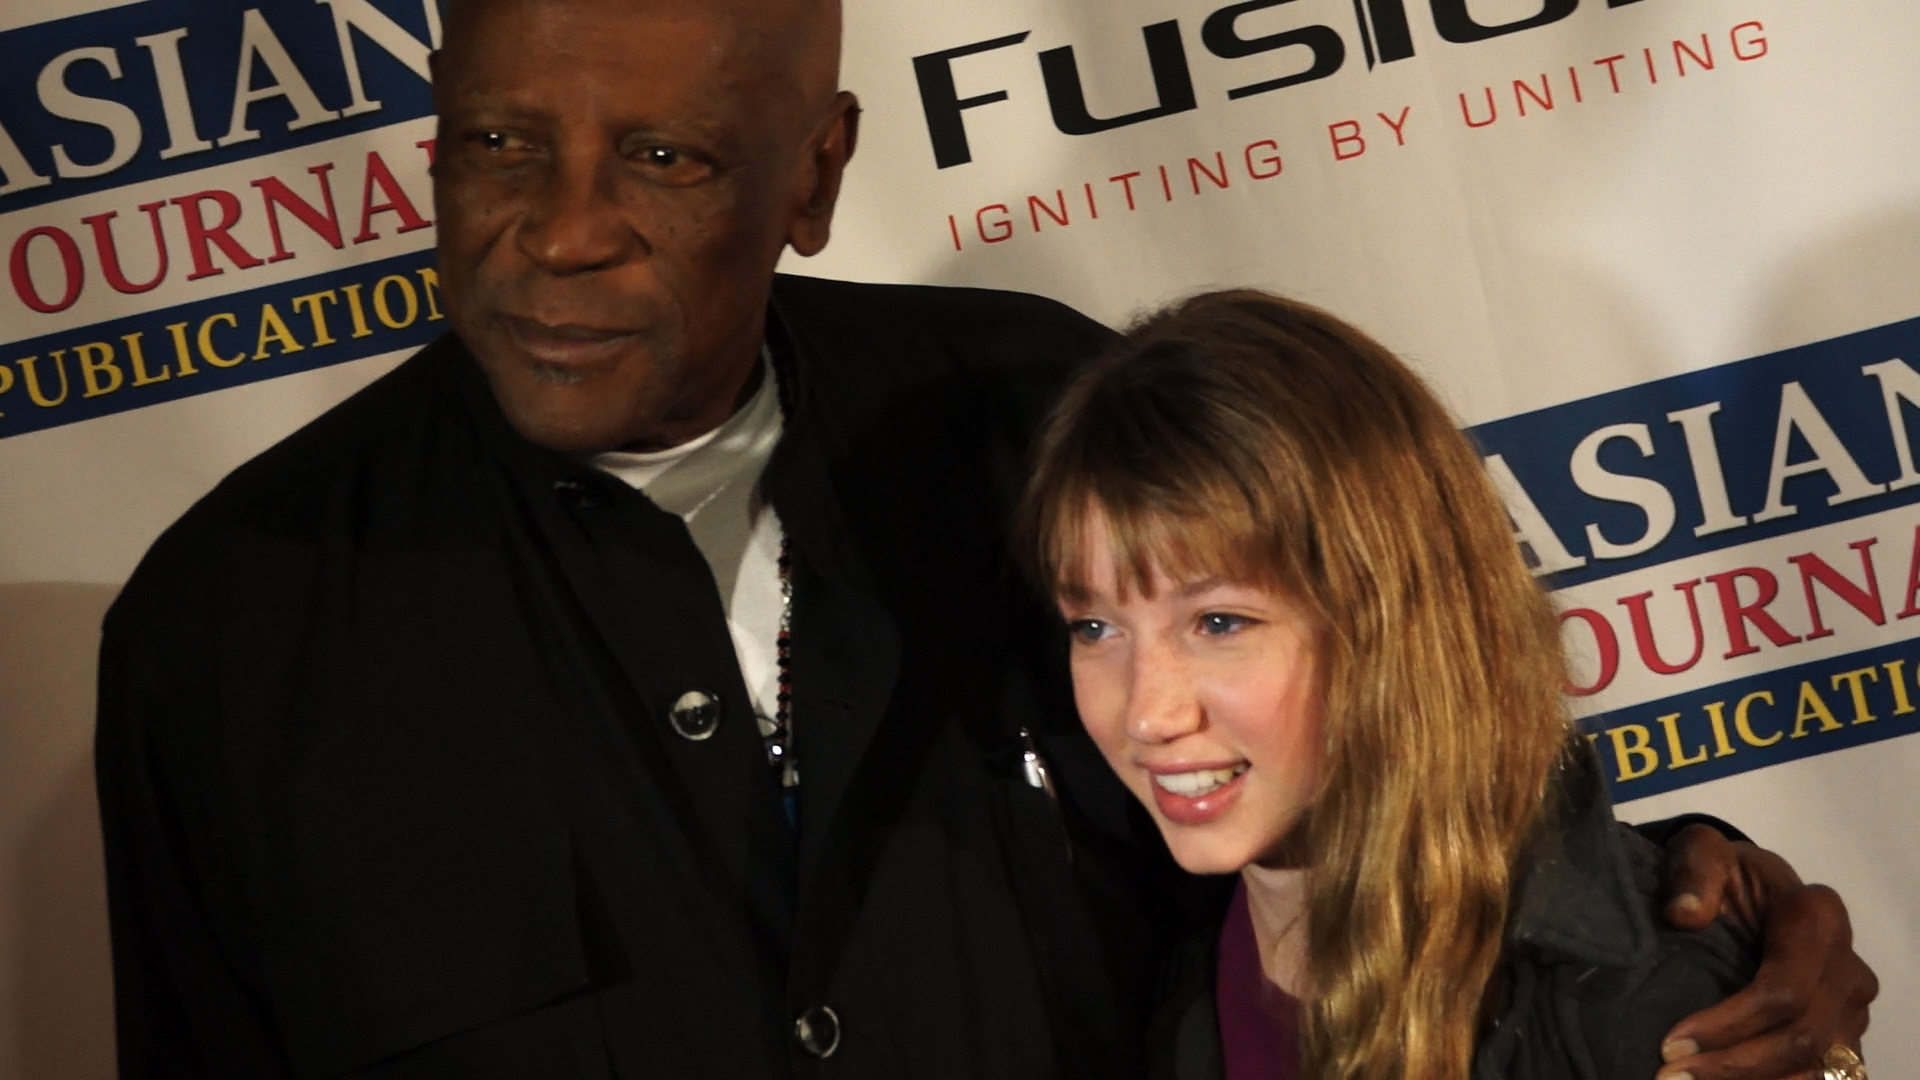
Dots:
pixel 1243 434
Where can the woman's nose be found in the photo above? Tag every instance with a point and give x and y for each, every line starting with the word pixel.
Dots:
pixel 1161 703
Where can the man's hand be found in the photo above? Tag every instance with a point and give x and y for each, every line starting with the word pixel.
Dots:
pixel 1811 991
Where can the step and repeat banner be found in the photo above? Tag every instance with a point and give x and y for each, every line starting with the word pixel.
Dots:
pixel 1661 256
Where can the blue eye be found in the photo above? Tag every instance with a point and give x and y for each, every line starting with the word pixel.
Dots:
pixel 1087 631
pixel 1217 623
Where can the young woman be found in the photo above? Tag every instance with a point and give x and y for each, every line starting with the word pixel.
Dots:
pixel 1302 634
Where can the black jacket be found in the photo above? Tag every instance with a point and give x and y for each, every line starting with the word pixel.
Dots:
pixel 390 789
pixel 1592 979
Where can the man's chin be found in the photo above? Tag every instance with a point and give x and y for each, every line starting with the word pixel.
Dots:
pixel 563 410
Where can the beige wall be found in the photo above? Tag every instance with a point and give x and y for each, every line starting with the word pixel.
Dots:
pixel 56 995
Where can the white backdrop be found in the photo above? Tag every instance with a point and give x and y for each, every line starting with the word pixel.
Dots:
pixel 1645 250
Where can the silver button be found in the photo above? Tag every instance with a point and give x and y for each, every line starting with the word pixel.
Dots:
pixel 818 1031
pixel 696 716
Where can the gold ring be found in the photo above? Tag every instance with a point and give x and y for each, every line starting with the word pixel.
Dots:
pixel 1841 1063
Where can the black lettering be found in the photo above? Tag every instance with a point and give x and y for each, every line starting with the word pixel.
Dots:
pixel 942 101
pixel 1455 24
pixel 1224 41
pixel 1384 30
pixel 1166 55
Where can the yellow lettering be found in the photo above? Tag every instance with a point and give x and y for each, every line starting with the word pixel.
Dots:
pixel 1717 715
pixel 430 286
pixel 6 382
pixel 1676 757
pixel 1852 679
pixel 1745 727
pixel 1638 750
pixel 29 368
pixel 96 359
pixel 385 312
pixel 360 327
pixel 136 356
pixel 318 314
pixel 274 328
pixel 1812 707
pixel 179 332
pixel 1896 680
pixel 207 352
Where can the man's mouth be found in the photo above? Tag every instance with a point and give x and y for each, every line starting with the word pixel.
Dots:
pixel 566 345
pixel 1198 783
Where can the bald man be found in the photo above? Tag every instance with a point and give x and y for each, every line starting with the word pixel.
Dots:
pixel 631 683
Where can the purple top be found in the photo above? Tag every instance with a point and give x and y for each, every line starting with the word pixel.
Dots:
pixel 1259 1022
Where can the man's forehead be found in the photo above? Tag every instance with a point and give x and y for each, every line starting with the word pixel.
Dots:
pixel 782 16
pixel 764 44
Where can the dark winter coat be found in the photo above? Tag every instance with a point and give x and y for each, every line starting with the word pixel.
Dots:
pixel 1592 979
pixel 391 789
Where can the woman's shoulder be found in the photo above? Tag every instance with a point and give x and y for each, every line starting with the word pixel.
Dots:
pixel 1595 975
pixel 1626 1011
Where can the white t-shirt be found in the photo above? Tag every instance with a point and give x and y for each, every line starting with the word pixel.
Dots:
pixel 713 483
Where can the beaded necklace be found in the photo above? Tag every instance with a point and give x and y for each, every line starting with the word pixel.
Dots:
pixel 777 733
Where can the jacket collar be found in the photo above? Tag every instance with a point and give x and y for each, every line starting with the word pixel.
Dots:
pixel 1578 899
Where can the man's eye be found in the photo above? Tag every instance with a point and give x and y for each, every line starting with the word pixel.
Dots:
pixel 1218 623
pixel 1087 631
pixel 498 142
pixel 670 165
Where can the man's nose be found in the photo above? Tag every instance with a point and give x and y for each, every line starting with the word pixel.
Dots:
pixel 576 221
pixel 1161 703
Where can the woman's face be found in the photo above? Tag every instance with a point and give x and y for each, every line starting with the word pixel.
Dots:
pixel 1205 698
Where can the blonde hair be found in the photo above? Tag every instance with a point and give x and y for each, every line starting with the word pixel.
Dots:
pixel 1243 434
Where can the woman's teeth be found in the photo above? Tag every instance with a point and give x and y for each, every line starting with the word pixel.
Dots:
pixel 1192 785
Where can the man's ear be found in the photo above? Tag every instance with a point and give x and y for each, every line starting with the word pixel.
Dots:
pixel 830 151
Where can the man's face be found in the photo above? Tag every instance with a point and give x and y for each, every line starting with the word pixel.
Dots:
pixel 615 180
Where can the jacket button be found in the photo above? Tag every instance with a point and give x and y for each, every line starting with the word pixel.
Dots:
pixel 818 1031
pixel 696 716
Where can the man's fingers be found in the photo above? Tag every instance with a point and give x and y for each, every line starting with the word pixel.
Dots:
pixel 1811 992
pixel 1695 874
pixel 1793 1051
pixel 1781 1055
pixel 1759 1012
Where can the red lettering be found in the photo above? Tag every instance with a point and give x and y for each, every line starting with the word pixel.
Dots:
pixel 1643 630
pixel 1738 615
pixel 23 286
pixel 1399 126
pixel 109 250
pixel 427 145
pixel 1753 48
pixel 1005 223
pixel 1036 206
pixel 1346 134
pixel 1197 168
pixel 1612 73
pixel 1466 113
pixel 1269 166
pixel 397 202
pixel 1126 181
pixel 1523 90
pixel 200 234
pixel 274 192
pixel 1864 600
pixel 1912 606
pixel 1682 53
